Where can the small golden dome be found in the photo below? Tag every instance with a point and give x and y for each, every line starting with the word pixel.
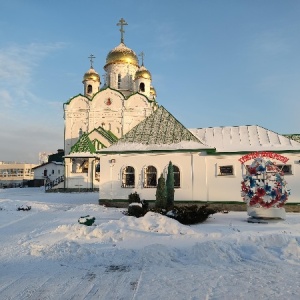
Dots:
pixel 152 91
pixel 91 74
pixel 121 54
pixel 142 72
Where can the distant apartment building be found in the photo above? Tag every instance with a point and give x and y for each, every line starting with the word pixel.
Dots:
pixel 13 174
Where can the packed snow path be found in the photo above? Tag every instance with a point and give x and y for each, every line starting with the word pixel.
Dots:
pixel 46 254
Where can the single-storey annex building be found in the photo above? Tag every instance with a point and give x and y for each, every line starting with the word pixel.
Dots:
pixel 209 163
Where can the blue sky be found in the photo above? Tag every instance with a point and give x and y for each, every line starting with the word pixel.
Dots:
pixel 213 63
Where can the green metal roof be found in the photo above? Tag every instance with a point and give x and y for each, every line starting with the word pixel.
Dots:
pixel 161 127
pixel 295 137
pixel 84 144
pixel 107 134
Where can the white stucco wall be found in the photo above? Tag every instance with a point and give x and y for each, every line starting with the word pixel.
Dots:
pixel 111 179
pixel 53 171
pixel 107 109
pixel 200 180
pixel 75 180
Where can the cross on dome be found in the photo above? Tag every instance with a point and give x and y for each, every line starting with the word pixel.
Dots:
pixel 142 55
pixel 122 23
pixel 91 57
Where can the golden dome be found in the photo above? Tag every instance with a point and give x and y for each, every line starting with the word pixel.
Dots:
pixel 152 91
pixel 91 74
pixel 142 72
pixel 121 54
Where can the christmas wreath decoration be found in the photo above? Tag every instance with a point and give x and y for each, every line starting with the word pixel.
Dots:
pixel 264 185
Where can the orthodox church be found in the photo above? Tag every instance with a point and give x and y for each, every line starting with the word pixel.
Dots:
pixel 102 114
pixel 119 140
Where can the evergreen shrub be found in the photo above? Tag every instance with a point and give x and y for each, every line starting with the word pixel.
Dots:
pixel 86 220
pixel 170 186
pixel 134 197
pixel 189 215
pixel 161 193
pixel 24 207
pixel 136 210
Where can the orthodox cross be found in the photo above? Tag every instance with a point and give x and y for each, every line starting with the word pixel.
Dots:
pixel 142 55
pixel 91 57
pixel 121 23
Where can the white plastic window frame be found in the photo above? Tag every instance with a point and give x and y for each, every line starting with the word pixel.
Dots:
pixel 124 177
pixel 280 166
pixel 146 174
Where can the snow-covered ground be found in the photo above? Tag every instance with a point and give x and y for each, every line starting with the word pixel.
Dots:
pixel 46 254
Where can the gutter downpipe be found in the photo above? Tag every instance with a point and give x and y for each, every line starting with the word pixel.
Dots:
pixel 206 181
pixel 192 174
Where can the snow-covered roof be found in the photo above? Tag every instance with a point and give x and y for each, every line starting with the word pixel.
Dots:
pixel 80 154
pixel 131 147
pixel 48 163
pixel 158 132
pixel 244 138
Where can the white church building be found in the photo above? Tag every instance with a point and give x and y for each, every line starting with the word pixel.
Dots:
pixel 119 140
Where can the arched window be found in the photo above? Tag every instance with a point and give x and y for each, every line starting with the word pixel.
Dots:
pixel 142 87
pixel 176 177
pixel 119 81
pixel 89 89
pixel 128 177
pixel 150 177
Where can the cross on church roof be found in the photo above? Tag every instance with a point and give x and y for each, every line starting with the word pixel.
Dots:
pixel 142 55
pixel 91 57
pixel 121 23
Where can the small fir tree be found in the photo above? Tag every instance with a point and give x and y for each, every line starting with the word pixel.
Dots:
pixel 170 186
pixel 161 193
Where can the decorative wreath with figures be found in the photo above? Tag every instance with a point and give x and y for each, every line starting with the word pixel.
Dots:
pixel 264 185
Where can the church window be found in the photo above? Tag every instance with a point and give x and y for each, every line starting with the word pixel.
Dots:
pixel 89 89
pixel 128 177
pixel 176 176
pixel 142 87
pixel 80 165
pixel 150 177
pixel 119 81
pixel 80 132
pixel 84 166
pixel 109 126
pixel 286 169
pixel 52 171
